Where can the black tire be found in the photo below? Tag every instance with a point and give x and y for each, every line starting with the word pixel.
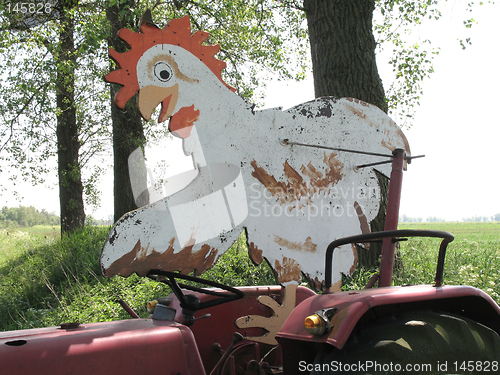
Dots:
pixel 416 342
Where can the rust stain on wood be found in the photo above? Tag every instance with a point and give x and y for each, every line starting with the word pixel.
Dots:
pixel 357 101
pixel 357 112
pixel 389 145
pixel 363 221
pixel 295 187
pixel 307 246
pixel 185 261
pixel 333 174
pixel 388 142
pixel 286 192
pixel 296 184
pixel 363 224
pixel 337 287
pixel 288 270
pixel 355 262
pixel 255 253
pixel 315 283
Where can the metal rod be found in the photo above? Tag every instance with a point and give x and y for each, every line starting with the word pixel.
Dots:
pixel 373 164
pixel 392 217
pixel 128 309
pixel 440 265
pixel 286 141
pixel 410 158
pixel 372 281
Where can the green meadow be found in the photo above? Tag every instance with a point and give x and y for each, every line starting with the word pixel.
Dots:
pixel 473 258
pixel 46 280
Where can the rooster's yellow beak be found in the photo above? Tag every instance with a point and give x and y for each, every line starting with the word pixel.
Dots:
pixel 150 96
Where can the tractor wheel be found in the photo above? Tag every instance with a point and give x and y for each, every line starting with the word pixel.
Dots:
pixel 415 342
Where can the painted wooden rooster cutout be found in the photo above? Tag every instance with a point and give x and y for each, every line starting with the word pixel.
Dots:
pixel 292 200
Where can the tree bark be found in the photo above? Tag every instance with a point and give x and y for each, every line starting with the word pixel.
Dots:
pixel 343 50
pixel 344 65
pixel 128 131
pixel 68 145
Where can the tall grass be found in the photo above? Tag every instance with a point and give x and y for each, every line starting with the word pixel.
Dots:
pixel 473 258
pixel 16 241
pixel 45 281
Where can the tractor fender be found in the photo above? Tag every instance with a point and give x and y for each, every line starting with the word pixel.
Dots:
pixel 133 346
pixel 356 307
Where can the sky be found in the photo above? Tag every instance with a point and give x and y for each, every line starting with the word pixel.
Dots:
pixel 455 126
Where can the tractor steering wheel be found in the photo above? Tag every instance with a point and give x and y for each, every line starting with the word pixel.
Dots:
pixel 189 302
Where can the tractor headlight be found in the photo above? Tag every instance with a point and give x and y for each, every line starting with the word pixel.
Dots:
pixel 151 306
pixel 319 322
pixel 314 325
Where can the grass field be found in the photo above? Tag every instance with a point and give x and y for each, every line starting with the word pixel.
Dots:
pixel 45 280
pixel 14 242
pixel 473 258
pixel 471 231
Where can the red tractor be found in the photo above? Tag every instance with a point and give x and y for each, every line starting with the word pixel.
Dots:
pixel 276 160
pixel 390 329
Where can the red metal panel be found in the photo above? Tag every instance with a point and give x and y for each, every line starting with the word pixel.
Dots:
pixel 364 306
pixel 136 346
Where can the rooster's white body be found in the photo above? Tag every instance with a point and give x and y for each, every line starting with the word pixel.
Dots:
pixel 292 200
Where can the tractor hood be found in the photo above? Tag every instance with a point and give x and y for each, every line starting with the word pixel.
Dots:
pixel 136 346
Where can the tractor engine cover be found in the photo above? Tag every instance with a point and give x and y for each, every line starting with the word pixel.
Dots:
pixel 135 346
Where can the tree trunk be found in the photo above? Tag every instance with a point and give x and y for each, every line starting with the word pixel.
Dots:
pixel 128 131
pixel 128 135
pixel 343 50
pixel 344 65
pixel 68 145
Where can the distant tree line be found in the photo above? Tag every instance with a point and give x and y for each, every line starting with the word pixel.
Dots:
pixel 407 219
pixel 483 218
pixel 90 220
pixel 26 217
pixel 433 219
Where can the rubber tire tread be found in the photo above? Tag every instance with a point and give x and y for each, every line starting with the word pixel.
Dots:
pixel 416 337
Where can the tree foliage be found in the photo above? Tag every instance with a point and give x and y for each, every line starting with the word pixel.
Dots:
pixel 411 59
pixel 35 70
pixel 258 39
pixel 51 102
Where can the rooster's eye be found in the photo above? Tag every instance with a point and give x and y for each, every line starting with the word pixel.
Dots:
pixel 163 71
